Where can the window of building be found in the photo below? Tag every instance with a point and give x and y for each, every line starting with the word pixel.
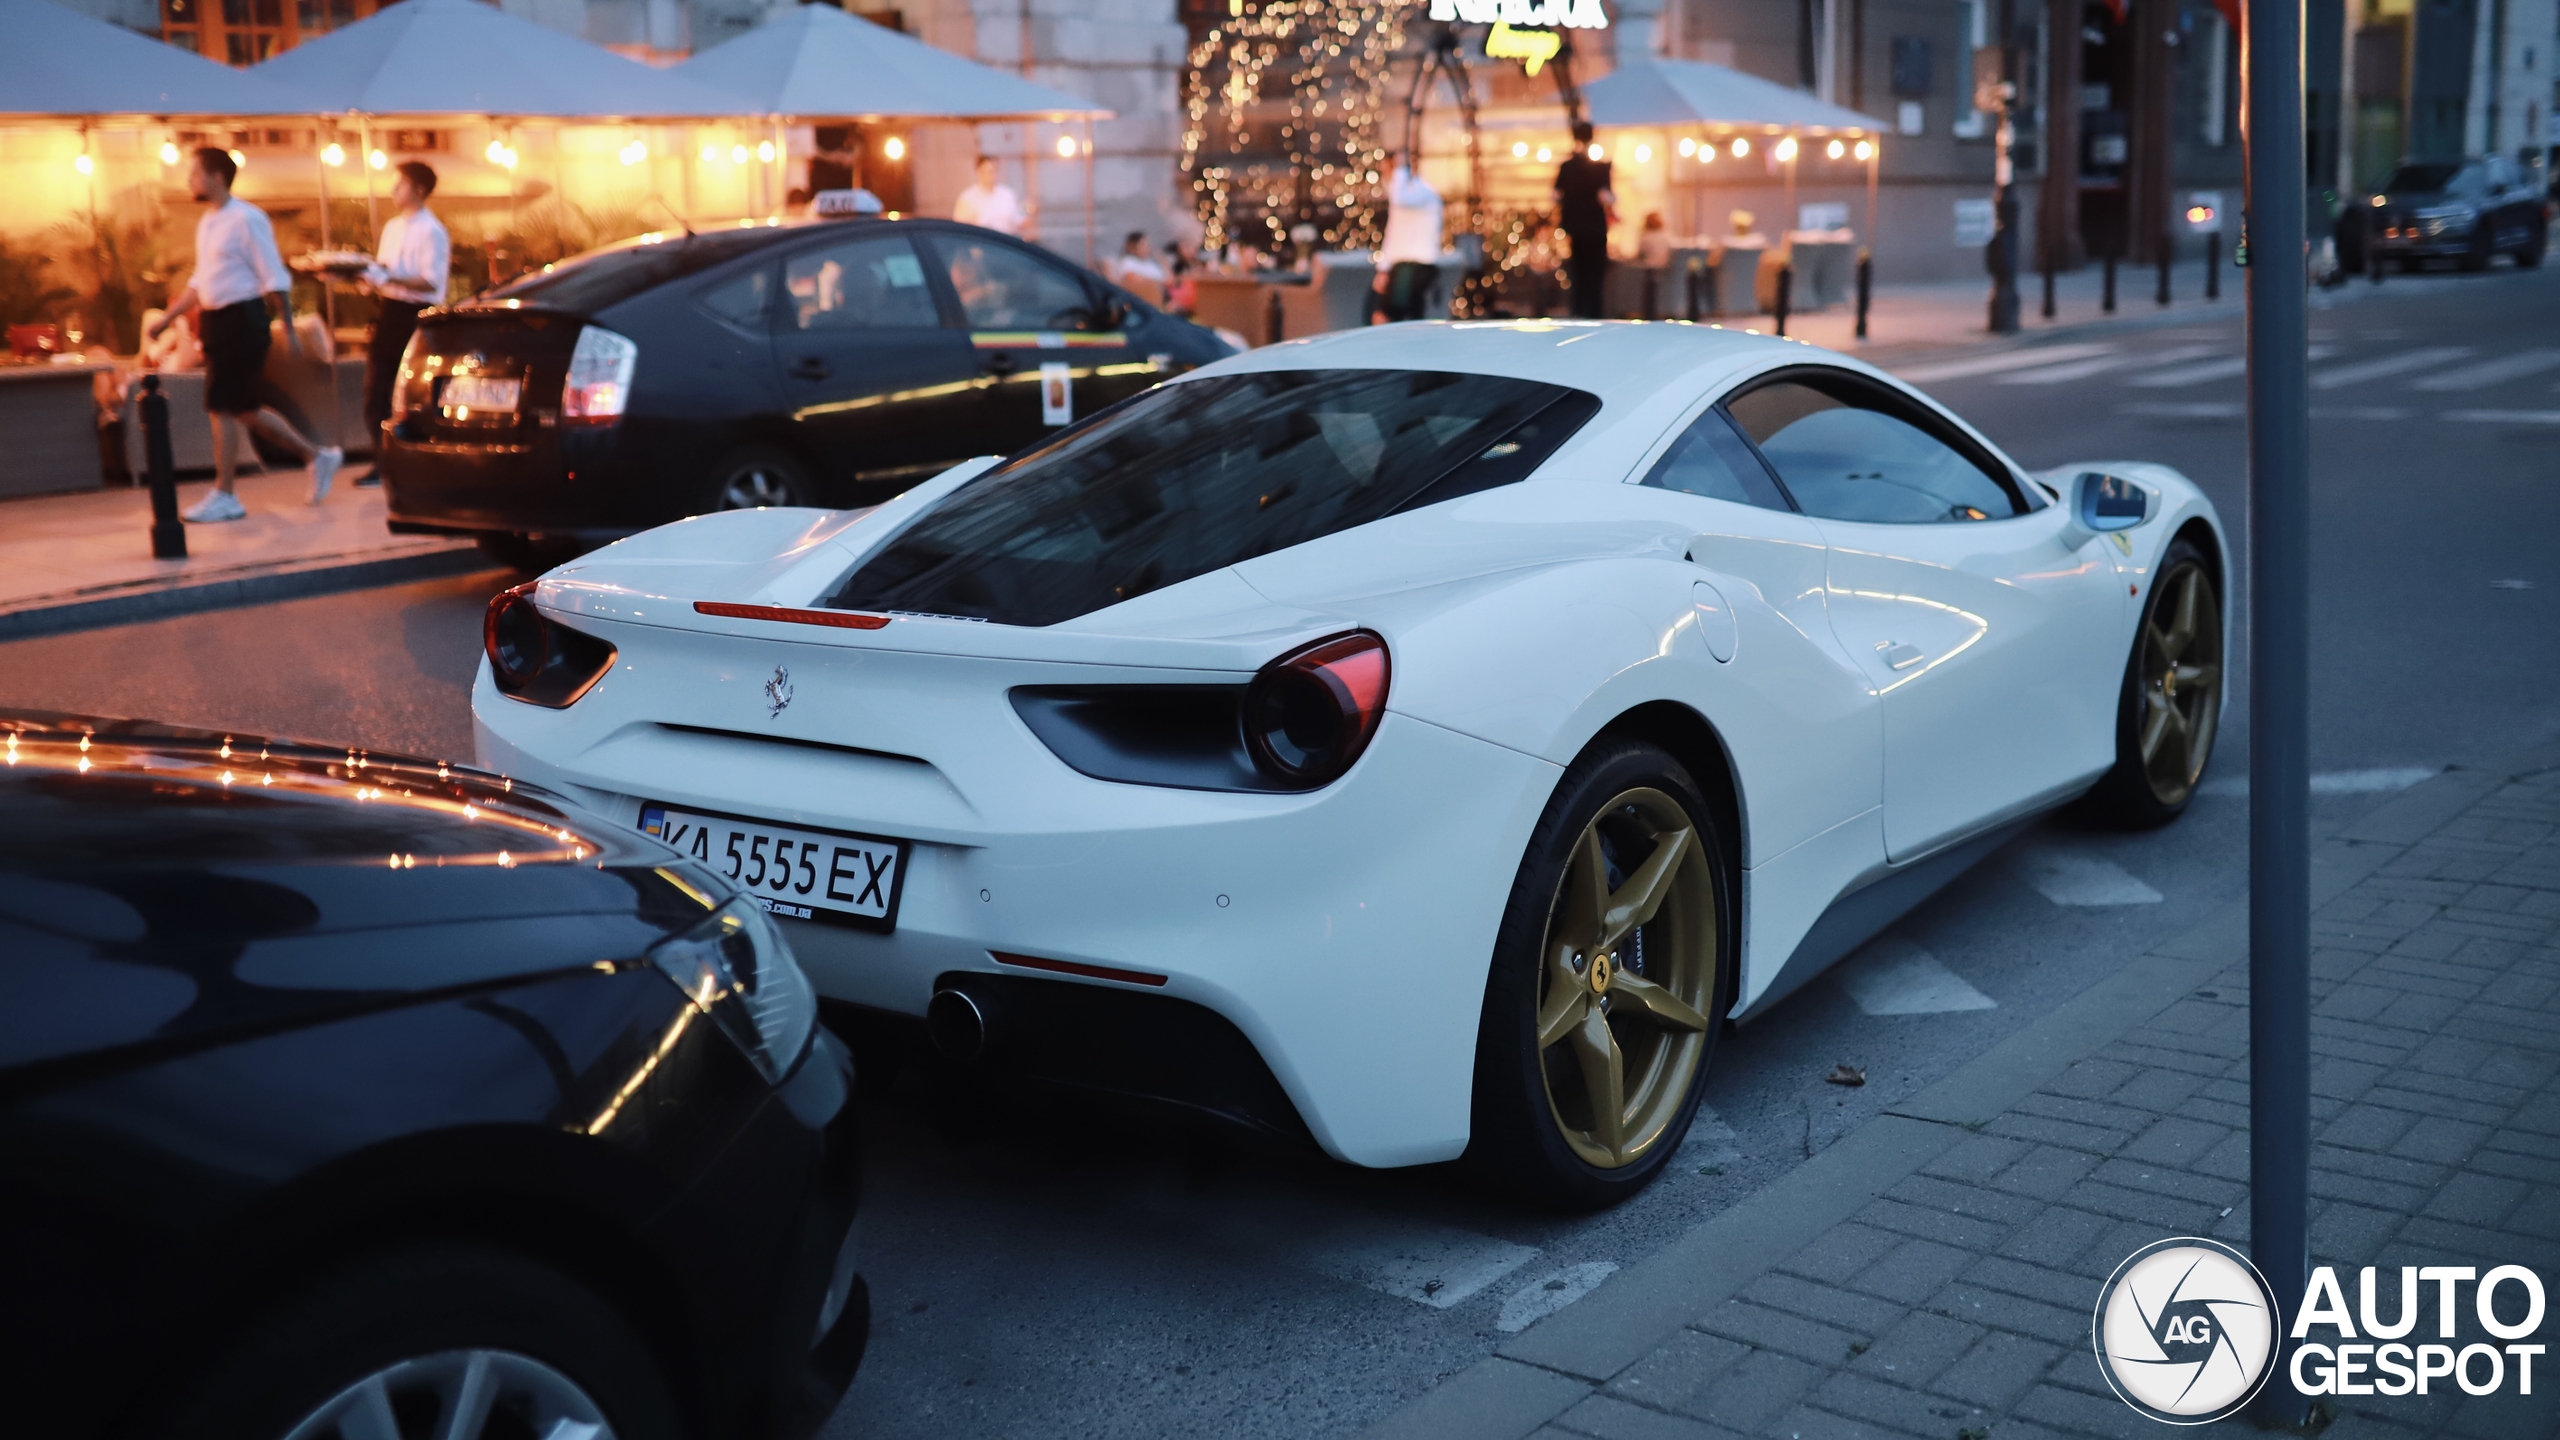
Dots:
pixel 244 32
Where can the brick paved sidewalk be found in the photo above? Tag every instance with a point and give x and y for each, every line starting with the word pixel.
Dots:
pixel 1940 1266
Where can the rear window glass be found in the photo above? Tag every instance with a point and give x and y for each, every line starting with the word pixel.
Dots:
pixel 614 274
pixel 1197 476
pixel 2423 179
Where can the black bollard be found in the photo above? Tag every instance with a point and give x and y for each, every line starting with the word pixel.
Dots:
pixel 1690 273
pixel 2168 251
pixel 1715 290
pixel 2044 260
pixel 2107 298
pixel 1786 293
pixel 168 533
pixel 1866 289
pixel 2213 265
pixel 1271 326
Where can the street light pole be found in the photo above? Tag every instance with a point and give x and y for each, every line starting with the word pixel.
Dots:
pixel 2004 239
pixel 2272 229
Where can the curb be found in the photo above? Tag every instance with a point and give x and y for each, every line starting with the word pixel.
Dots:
pixel 251 584
pixel 1539 1375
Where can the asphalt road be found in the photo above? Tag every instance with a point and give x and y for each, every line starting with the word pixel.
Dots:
pixel 1041 1269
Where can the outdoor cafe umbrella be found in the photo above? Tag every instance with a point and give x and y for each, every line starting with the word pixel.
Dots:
pixel 817 62
pixel 459 57
pixel 1679 94
pixel 63 64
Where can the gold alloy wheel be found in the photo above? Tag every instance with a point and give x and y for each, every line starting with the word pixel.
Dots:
pixel 2181 683
pixel 1626 971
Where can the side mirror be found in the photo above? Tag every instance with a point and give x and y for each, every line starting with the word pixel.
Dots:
pixel 2103 504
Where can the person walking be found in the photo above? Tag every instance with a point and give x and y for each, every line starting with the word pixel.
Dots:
pixel 239 282
pixel 411 265
pixel 1409 252
pixel 1585 209
pixel 990 202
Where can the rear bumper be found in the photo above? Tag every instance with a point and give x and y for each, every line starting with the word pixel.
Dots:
pixel 1345 933
pixel 597 484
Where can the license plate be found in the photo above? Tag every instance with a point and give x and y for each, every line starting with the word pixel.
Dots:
pixel 799 873
pixel 486 393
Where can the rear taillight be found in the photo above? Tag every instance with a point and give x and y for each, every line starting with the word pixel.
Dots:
pixel 599 383
pixel 1309 714
pixel 536 660
pixel 408 374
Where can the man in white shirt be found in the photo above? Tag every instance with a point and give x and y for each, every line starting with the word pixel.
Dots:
pixel 238 283
pixel 411 265
pixel 989 202
pixel 1409 253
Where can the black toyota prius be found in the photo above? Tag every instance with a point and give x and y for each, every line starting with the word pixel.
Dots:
pixel 347 1095
pixel 829 364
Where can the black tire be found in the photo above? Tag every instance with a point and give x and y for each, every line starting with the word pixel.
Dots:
pixel 2482 249
pixel 422 1306
pixel 530 553
pixel 2135 794
pixel 1520 1139
pixel 2537 238
pixel 755 478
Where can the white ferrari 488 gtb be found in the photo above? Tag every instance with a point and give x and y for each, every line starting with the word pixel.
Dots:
pixel 1416 740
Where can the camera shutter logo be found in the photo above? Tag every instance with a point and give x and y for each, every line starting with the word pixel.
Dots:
pixel 2185 1330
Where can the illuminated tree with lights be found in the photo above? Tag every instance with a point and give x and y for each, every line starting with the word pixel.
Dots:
pixel 1282 121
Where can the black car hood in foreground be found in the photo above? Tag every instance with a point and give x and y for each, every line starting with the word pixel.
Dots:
pixel 162 888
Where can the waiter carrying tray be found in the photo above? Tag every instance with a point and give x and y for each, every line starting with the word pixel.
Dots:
pixel 410 268
pixel 240 281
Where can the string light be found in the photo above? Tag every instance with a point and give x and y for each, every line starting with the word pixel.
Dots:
pixel 1741 147
pixel 83 164
pixel 1688 147
pixel 1786 150
pixel 1519 149
pixel 1595 152
pixel 1644 154
pixel 1866 149
pixel 764 151
pixel 1835 149
pixel 737 154
pixel 333 154
pixel 378 160
pixel 1545 154
pixel 168 152
pixel 1331 58
pixel 710 154
pixel 1066 147
pixel 894 148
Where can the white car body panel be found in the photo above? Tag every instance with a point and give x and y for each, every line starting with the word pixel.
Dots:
pixel 1522 622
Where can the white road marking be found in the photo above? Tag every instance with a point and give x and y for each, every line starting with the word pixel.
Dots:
pixel 1710 1141
pixel 1892 976
pixel 2504 417
pixel 2211 370
pixel 2407 360
pixel 1994 364
pixel 2058 374
pixel 1548 1294
pixel 1430 1264
pixel 2360 412
pixel 2185 409
pixel 2336 782
pixel 2494 372
pixel 2067 879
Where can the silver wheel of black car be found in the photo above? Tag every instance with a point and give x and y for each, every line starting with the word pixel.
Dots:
pixel 470 1393
pixel 756 479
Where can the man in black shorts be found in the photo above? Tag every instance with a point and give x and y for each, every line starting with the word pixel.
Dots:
pixel 1585 208
pixel 240 281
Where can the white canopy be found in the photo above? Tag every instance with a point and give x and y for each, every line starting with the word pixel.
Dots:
pixel 63 63
pixel 817 61
pixel 459 57
pixel 1692 92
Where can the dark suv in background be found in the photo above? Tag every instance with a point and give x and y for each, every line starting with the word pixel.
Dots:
pixel 2467 211
pixel 829 364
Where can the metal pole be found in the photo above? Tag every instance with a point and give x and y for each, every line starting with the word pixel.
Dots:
pixel 2168 252
pixel 2044 262
pixel 2279 671
pixel 2213 265
pixel 2107 290
pixel 372 216
pixel 1088 193
pixel 168 535
pixel 1786 295
pixel 1866 288
pixel 2004 239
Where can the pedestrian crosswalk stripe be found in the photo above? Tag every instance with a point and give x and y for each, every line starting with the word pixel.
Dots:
pixel 2081 369
pixel 2506 417
pixel 2518 366
pixel 2422 358
pixel 1994 364
pixel 2205 372
pixel 2184 409
pixel 1890 975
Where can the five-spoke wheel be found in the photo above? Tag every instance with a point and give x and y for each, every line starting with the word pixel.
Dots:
pixel 2172 703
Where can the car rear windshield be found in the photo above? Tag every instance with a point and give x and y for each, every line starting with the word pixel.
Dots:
pixel 1192 477
pixel 2422 179
pixel 590 282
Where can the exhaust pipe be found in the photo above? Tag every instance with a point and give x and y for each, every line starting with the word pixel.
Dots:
pixel 959 1024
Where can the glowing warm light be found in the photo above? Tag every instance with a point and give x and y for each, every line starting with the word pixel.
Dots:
pixel 83 164
pixel 1835 149
pixel 240 160
pixel 507 157
pixel 894 148
pixel 1519 149
pixel 378 160
pixel 2198 214
pixel 1595 152
pixel 710 153
pixel 634 153
pixel 1786 150
pixel 168 152
pixel 764 151
pixel 495 150
pixel 1866 150
pixel 737 154
pixel 1545 154
pixel 1741 147
pixel 1066 146
pixel 1643 153
pixel 1688 147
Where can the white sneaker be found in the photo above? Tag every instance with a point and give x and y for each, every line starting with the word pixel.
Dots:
pixel 324 469
pixel 217 505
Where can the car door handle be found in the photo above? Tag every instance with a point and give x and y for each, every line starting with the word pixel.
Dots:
pixel 810 367
pixel 1001 364
pixel 1899 656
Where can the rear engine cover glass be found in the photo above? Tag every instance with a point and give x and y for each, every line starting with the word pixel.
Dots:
pixel 1197 476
